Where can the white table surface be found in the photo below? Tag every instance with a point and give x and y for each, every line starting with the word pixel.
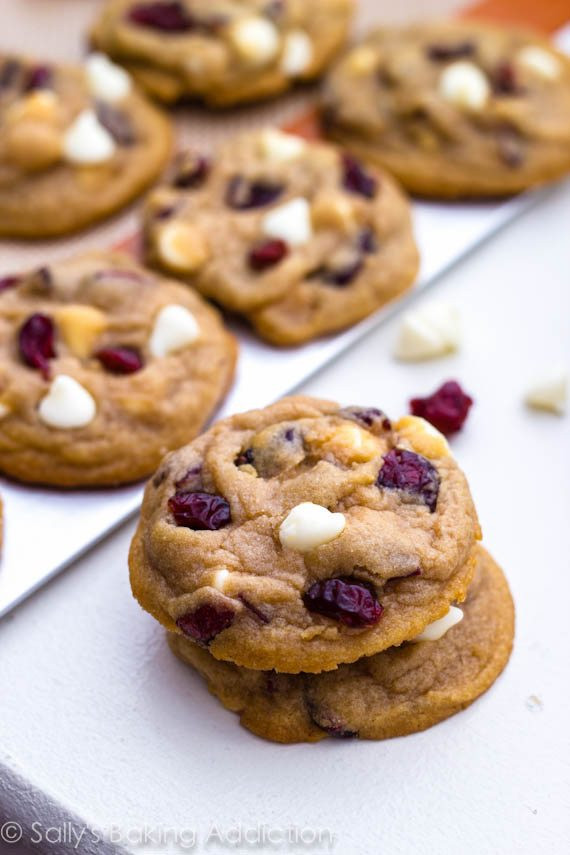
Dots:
pixel 99 722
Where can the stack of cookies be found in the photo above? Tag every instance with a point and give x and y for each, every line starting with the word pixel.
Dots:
pixel 320 567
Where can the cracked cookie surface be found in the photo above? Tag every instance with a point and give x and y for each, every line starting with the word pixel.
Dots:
pixel 394 693
pixel 76 145
pixel 454 109
pixel 104 368
pixel 305 535
pixel 297 236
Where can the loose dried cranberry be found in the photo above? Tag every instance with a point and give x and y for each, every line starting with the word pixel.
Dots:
pixel 260 615
pixel 245 458
pixel 351 602
pixel 267 254
pixel 329 722
pixel 191 170
pixel 120 360
pixel 446 409
pixel 7 282
pixel 169 16
pixel 411 473
pixel 117 123
pixel 504 80
pixel 40 77
pixel 36 342
pixel 370 417
pixel 367 241
pixel 243 195
pixel 200 511
pixel 356 179
pixel 206 622
pixel 444 53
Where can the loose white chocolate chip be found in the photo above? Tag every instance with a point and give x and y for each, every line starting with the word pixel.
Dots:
pixel 297 53
pixel 106 80
pixel 422 436
pixel 540 61
pixel 80 327
pixel 67 404
pixel 4 410
pixel 464 85
pixel 280 147
pixel 430 331
pixel 290 222
pixel 255 39
pixel 549 393
pixel 175 327
pixel 308 526
pixel 87 141
pixel 182 247
pixel 436 630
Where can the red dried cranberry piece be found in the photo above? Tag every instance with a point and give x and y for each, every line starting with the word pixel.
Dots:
pixel 243 195
pixel 370 417
pixel 199 511
pixel 39 77
pixel 7 282
pixel 367 241
pixel 117 123
pixel 191 481
pixel 344 275
pixel 245 458
pixel 169 16
pixel 511 147
pixel 329 722
pixel 356 179
pixel 267 254
pixel 446 409
pixel 351 602
pixel 206 622
pixel 120 360
pixel 444 53
pixel 411 473
pixel 260 615
pixel 36 342
pixel 504 80
pixel 191 170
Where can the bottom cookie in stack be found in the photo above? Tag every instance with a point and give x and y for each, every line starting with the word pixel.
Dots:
pixel 399 691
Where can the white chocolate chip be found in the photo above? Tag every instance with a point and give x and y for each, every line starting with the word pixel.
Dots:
pixel 542 62
pixel 436 630
pixel 290 222
pixel 297 53
pixel 87 141
pixel 67 404
pixel 362 60
pixel 105 79
pixel 430 331
pixel 308 526
pixel 279 147
pixel 182 247
pixel 549 392
pixel 423 436
pixel 220 578
pixel 464 85
pixel 175 327
pixel 4 410
pixel 255 39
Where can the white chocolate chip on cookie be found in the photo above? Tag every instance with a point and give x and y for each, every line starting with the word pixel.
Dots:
pixel 422 436
pixel 540 61
pixel 464 85
pixel 67 404
pixel 182 247
pixel 255 39
pixel 106 80
pixel 438 628
pixel 175 327
pixel 290 222
pixel 79 327
pixel 280 147
pixel 86 141
pixel 298 53
pixel 308 526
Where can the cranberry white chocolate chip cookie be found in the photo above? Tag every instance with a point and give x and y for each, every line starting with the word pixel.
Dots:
pixel 399 691
pixel 297 236
pixel 104 367
pixel 305 535
pixel 76 144
pixel 223 52
pixel 455 109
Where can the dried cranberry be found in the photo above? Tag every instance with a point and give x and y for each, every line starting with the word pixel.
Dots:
pixel 370 417
pixel 446 409
pixel 206 622
pixel 351 602
pixel 120 360
pixel 444 53
pixel 36 342
pixel 243 195
pixel 356 179
pixel 511 147
pixel 345 273
pixel 274 8
pixel 411 473
pixel 200 511
pixel 504 80
pixel 329 722
pixel 39 77
pixel 117 123
pixel 190 170
pixel 367 241
pixel 169 16
pixel 118 273
pixel 245 458
pixel 191 480
pixel 267 254
pixel 260 615
pixel 7 282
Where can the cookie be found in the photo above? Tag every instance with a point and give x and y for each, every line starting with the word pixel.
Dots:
pixel 394 693
pixel 455 109
pixel 104 367
pixel 76 145
pixel 222 52
pixel 304 535
pixel 295 235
